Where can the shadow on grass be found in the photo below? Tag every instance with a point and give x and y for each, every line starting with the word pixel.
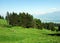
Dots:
pixel 55 34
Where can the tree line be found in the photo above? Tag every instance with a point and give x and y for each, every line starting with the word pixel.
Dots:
pixel 1 17
pixel 28 21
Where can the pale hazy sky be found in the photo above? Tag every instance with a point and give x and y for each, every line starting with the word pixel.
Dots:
pixel 30 6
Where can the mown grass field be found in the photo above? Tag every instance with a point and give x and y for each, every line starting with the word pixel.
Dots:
pixel 18 34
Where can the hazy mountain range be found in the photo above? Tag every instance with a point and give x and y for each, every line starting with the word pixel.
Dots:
pixel 49 17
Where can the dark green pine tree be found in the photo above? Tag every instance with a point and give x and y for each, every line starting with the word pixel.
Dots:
pixel 37 23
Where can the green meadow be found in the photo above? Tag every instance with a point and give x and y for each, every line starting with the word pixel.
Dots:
pixel 16 34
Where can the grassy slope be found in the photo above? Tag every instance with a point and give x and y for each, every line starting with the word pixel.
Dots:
pixel 22 35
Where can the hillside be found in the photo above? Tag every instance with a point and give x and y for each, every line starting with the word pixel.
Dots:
pixel 18 34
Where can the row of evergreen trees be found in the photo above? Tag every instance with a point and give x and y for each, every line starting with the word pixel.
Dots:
pixel 23 19
pixel 28 21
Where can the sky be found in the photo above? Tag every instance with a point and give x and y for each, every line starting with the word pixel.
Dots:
pixel 34 7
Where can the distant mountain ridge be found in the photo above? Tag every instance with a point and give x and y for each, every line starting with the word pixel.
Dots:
pixel 49 17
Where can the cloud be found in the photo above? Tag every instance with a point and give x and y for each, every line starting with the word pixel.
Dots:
pixel 53 10
pixel 38 12
pixel 41 12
